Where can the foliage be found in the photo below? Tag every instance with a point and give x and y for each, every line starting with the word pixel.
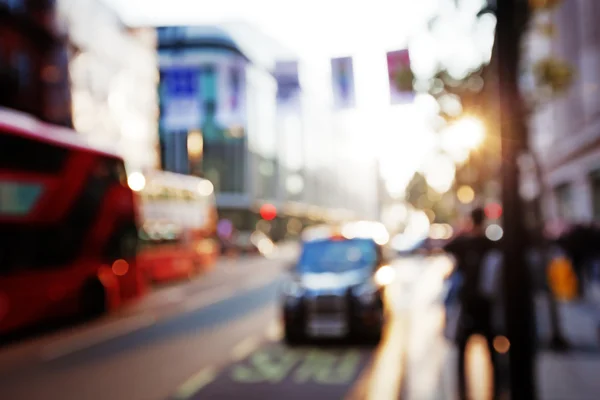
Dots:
pixel 540 5
pixel 553 75
pixel 423 197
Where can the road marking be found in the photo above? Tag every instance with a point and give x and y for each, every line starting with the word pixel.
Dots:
pixel 265 366
pixel 275 364
pixel 175 296
pixel 275 331
pixel 87 339
pixel 327 368
pixel 244 348
pixel 195 383
pixel 259 281
pixel 223 292
pixel 208 298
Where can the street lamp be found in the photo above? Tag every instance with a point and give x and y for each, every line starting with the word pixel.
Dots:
pixel 195 149
pixel 195 145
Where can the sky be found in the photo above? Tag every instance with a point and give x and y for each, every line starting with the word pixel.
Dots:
pixel 316 30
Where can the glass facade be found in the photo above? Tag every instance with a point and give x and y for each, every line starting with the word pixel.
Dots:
pixel 206 108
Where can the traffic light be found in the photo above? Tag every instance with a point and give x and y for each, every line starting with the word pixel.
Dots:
pixel 268 212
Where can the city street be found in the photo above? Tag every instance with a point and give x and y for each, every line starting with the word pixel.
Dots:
pixel 219 337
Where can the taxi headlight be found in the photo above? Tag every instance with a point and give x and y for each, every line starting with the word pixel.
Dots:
pixel 293 289
pixel 366 293
pixel 385 275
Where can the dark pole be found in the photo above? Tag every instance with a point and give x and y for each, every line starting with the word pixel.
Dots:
pixel 517 279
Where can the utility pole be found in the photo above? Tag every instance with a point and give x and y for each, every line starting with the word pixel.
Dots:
pixel 517 279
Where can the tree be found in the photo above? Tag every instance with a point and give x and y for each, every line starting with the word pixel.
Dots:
pixel 421 196
pixel 507 115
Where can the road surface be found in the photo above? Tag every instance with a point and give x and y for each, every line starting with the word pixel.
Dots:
pixel 218 337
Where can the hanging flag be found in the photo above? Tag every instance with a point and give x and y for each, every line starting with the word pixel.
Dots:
pixel 342 79
pixel 400 77
pixel 288 81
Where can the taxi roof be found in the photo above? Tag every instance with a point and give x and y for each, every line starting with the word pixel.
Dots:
pixel 351 230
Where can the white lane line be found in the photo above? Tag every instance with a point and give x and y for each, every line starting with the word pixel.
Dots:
pixel 221 293
pixel 208 298
pixel 260 280
pixel 195 383
pixel 244 348
pixel 112 330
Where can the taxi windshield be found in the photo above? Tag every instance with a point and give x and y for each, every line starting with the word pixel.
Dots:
pixel 337 256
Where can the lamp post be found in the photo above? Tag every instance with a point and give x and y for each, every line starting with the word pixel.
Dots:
pixel 195 149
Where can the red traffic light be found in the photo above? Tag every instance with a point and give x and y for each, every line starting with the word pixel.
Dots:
pixel 493 211
pixel 268 212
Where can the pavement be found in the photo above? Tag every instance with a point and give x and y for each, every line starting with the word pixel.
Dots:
pixel 571 375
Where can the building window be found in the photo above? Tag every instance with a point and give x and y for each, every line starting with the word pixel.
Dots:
pixel 564 201
pixel 234 78
pixel 209 85
pixel 15 5
pixel 595 182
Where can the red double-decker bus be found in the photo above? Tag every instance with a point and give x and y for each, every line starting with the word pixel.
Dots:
pixel 67 223
pixel 179 220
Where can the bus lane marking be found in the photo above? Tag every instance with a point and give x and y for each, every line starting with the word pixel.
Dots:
pixel 327 368
pixel 101 334
pixel 195 383
pixel 265 366
pixel 273 365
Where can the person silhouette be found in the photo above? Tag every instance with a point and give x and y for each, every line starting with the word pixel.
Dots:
pixel 470 250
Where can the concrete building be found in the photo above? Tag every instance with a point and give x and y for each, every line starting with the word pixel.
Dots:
pixel 261 134
pixel 566 132
pixel 114 80
pixel 74 63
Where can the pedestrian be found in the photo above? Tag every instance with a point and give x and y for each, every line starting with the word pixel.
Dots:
pixel 470 249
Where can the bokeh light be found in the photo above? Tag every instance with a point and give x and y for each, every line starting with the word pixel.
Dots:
pixel 136 181
pixel 494 232
pixel 465 194
pixel 439 173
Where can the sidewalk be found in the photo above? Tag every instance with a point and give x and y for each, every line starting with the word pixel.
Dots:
pixel 572 375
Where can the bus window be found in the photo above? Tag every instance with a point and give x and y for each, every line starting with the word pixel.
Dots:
pixel 27 155
pixel 18 198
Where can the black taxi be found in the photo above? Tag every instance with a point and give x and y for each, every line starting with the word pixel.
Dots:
pixel 335 290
